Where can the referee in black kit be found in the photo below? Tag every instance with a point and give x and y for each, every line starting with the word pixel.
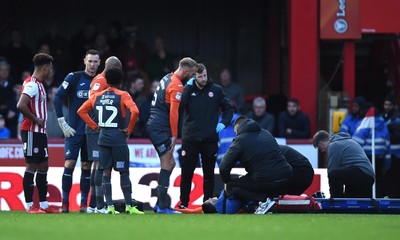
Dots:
pixel 202 101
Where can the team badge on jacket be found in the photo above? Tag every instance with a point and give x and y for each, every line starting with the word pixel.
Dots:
pixel 210 94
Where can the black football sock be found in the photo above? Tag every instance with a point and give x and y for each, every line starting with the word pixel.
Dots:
pixel 163 184
pixel 28 186
pixel 41 184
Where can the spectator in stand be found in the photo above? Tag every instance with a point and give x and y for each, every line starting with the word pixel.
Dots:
pixel 392 119
pixel 233 91
pixel 115 38
pixel 12 117
pixel 55 77
pixel 134 48
pixel 18 54
pixel 53 129
pixel 363 136
pixel 51 81
pixel 18 118
pixel 101 45
pixel 136 91
pixel 132 72
pixel 261 116
pixel 58 45
pixel 351 121
pixel 4 131
pixel 160 62
pixel 8 98
pixel 293 123
pixel 81 42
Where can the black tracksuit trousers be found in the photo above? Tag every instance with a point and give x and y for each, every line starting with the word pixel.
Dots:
pixel 190 159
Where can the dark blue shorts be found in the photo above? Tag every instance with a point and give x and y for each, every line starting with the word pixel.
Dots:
pixel 160 138
pixel 116 157
pixel 93 146
pixel 72 147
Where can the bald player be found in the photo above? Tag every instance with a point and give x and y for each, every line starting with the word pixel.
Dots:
pixel 98 84
pixel 110 106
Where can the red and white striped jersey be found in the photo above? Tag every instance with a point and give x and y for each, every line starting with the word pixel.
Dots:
pixel 35 90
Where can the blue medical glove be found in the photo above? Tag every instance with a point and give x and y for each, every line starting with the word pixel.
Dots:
pixel 191 81
pixel 219 127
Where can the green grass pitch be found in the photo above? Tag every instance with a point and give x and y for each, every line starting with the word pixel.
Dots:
pixel 76 226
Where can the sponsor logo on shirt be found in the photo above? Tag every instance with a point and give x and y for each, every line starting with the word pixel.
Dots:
pixel 178 96
pixel 82 94
pixel 96 86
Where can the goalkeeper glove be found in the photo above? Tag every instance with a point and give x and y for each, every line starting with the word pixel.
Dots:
pixel 219 127
pixel 67 130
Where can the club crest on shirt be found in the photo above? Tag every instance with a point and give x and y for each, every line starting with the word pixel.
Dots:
pixel 36 150
pixel 210 94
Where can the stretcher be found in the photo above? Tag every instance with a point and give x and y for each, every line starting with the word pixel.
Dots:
pixel 359 205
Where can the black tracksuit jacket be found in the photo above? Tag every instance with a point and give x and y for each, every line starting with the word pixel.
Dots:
pixel 258 152
pixel 201 110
